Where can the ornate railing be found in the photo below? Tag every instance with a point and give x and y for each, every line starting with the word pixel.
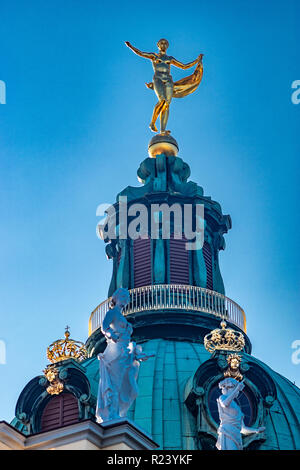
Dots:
pixel 175 296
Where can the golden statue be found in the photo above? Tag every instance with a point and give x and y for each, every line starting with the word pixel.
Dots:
pixel 163 84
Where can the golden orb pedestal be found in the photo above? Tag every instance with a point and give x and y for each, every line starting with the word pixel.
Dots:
pixel 163 144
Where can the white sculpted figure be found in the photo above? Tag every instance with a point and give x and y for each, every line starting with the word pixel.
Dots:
pixel 119 363
pixel 231 417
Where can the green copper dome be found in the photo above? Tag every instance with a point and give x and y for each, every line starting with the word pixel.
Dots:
pixel 162 407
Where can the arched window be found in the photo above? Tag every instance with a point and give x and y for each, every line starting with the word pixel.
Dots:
pixel 179 261
pixel 60 411
pixel 142 262
pixel 208 264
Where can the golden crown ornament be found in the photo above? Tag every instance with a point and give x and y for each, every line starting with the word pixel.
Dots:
pixel 66 348
pixel 224 339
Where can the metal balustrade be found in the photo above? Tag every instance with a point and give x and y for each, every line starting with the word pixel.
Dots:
pixel 175 296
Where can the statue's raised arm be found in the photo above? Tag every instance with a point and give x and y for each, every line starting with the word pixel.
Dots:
pixel 146 55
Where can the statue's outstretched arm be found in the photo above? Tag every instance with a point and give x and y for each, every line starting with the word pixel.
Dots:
pixel 246 431
pixel 146 55
pixel 186 66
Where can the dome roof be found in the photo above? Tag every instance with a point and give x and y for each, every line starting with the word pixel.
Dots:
pixel 177 394
pixel 164 382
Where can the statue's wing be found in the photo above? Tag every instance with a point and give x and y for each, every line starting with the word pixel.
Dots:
pixel 189 84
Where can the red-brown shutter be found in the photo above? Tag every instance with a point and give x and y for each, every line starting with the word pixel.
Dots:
pixel 142 262
pixel 179 261
pixel 118 257
pixel 208 263
pixel 60 411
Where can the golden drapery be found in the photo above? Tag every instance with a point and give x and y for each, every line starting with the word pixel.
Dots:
pixel 186 85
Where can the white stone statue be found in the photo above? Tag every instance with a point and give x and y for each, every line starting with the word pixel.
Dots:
pixel 231 417
pixel 119 363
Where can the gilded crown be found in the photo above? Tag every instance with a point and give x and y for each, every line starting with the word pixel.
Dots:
pixel 224 339
pixel 66 348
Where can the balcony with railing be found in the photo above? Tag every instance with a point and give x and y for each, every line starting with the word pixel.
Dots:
pixel 175 296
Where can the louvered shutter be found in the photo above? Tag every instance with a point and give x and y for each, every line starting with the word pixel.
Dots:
pixel 118 257
pixel 179 261
pixel 60 411
pixel 142 262
pixel 208 263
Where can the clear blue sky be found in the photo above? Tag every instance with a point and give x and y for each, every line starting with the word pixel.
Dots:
pixel 75 128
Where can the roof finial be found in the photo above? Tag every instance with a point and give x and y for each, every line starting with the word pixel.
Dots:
pixel 67 332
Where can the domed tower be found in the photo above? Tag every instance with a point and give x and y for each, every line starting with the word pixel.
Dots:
pixel 179 312
pixel 177 298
